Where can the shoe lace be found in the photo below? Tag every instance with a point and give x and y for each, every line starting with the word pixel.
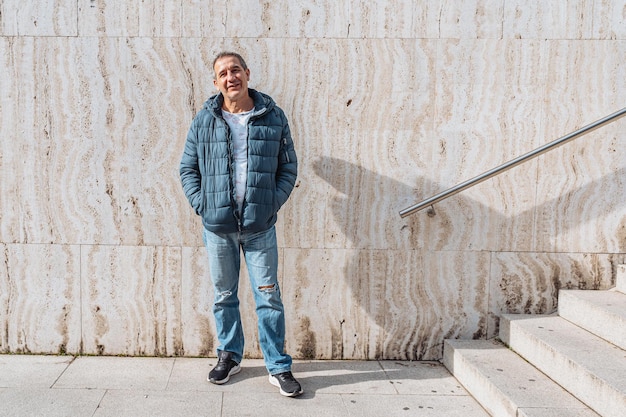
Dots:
pixel 286 377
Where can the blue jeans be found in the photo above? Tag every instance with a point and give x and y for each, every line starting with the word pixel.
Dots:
pixel 261 255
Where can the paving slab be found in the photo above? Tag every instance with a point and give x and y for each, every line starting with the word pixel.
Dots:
pixel 256 404
pixel 33 402
pixel 31 371
pixel 343 377
pixel 107 372
pixel 160 404
pixel 421 378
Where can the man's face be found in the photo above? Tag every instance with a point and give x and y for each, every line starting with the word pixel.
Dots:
pixel 230 78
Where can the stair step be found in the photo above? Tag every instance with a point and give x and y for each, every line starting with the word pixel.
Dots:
pixel 505 384
pixel 587 366
pixel 603 313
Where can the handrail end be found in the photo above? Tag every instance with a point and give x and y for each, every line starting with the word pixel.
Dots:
pixel 409 210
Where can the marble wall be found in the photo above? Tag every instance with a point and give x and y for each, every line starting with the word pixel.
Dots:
pixel 390 101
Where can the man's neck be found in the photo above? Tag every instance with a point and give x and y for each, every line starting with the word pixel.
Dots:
pixel 238 106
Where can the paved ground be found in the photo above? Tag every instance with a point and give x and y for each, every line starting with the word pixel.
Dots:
pixel 119 386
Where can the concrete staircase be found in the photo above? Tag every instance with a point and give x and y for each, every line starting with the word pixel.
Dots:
pixel 570 364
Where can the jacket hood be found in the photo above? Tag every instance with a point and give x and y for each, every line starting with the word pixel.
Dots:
pixel 262 103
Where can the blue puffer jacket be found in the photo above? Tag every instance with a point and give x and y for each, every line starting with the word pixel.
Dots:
pixel 207 164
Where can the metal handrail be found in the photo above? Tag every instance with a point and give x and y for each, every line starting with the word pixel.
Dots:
pixel 514 162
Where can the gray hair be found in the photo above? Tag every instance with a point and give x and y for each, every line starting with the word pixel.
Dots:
pixel 233 54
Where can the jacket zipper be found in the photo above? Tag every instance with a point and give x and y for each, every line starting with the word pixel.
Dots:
pixel 231 176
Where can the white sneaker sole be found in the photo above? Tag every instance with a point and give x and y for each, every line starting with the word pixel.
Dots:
pixel 232 372
pixel 275 382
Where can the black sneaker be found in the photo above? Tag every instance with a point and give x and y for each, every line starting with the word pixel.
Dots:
pixel 288 385
pixel 225 367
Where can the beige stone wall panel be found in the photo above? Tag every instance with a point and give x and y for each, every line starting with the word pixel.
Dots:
pixel 51 140
pixel 164 18
pixel 318 303
pixel 206 19
pixel 485 115
pixel 131 301
pixel 538 19
pixel 198 325
pixel 160 18
pixel 285 19
pixel 474 19
pixel 580 205
pixel 608 19
pixel 30 148
pixel 431 296
pixel 40 301
pixel 376 143
pixel 108 18
pixel 485 118
pixel 9 230
pixel 392 304
pixel 38 18
pixel 8 18
pixel 152 138
pixel 392 19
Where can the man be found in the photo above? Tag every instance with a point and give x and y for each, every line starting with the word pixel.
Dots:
pixel 238 168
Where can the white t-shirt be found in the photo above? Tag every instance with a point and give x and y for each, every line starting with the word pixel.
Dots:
pixel 238 124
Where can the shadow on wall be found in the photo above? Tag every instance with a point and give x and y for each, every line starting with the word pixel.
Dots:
pixel 417 281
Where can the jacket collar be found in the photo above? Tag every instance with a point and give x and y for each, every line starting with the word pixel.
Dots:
pixel 262 103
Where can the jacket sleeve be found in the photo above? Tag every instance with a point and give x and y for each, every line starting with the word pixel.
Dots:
pixel 190 171
pixel 287 171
